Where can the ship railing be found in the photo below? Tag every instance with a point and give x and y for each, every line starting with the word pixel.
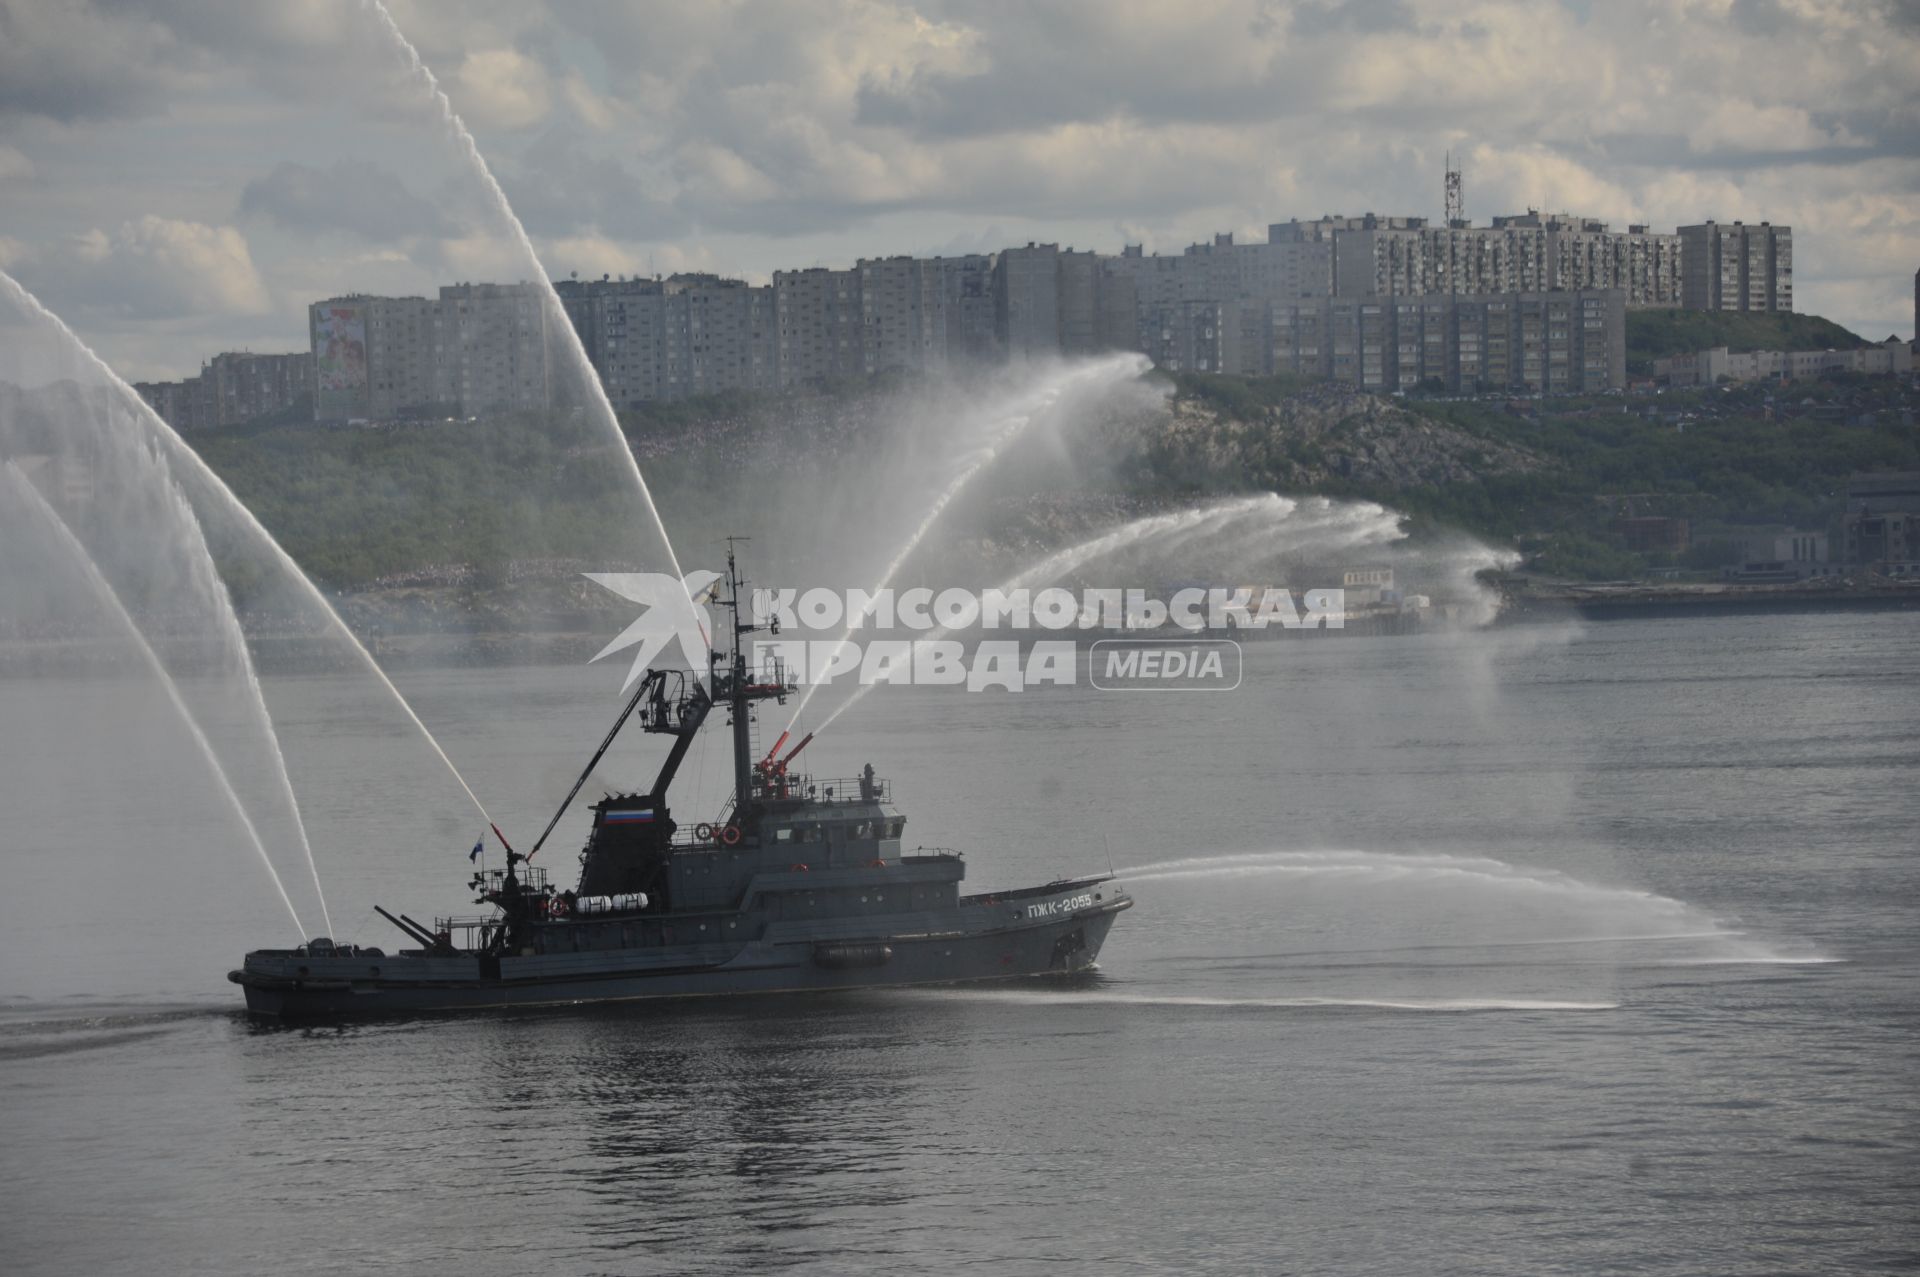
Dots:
pixel 847 789
pixel 470 933
pixel 533 879
pixel 830 789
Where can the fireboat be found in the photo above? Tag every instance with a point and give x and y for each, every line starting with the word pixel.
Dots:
pixel 798 885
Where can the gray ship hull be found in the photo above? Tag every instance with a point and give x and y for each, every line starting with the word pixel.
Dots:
pixel 1055 932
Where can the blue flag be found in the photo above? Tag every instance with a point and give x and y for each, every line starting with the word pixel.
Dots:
pixel 479 845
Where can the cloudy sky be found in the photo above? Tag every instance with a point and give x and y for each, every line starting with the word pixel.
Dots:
pixel 180 177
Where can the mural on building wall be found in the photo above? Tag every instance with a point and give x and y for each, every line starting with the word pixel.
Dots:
pixel 340 360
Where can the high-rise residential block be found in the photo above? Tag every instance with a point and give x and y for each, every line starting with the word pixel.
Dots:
pixel 1541 343
pixel 234 387
pixel 1027 301
pixel 1736 266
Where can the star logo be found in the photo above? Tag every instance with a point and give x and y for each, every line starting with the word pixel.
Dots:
pixel 674 609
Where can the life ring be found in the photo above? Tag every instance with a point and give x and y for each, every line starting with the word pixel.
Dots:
pixel 557 907
pixel 730 835
pixel 703 831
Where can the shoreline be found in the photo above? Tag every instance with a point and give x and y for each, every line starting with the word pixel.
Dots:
pixel 1617 603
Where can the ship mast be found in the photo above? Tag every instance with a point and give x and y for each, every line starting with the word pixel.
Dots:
pixel 738 690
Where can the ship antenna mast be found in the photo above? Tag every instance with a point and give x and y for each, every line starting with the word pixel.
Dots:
pixel 737 688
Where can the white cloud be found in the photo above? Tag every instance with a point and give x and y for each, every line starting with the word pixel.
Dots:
pixel 757 134
pixel 588 255
pixel 151 267
pixel 14 164
pixel 1539 177
pixel 597 111
pixel 1733 124
pixel 499 88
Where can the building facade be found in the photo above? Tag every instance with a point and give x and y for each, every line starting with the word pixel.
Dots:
pixel 820 325
pixel 1535 343
pixel 1026 295
pixel 1891 358
pixel 474 350
pixel 233 388
pixel 1737 267
pixel 1881 523
pixel 1383 256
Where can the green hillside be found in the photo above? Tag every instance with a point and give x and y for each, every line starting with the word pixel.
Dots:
pixel 1655 334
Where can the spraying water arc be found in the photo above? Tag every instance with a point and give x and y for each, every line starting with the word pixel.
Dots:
pixel 178 451
pixel 103 590
pixel 1130 534
pixel 212 587
pixel 1534 905
pixel 1319 523
pixel 1005 431
pixel 556 313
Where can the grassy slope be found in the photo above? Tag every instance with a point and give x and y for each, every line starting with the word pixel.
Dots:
pixel 352 504
pixel 1656 334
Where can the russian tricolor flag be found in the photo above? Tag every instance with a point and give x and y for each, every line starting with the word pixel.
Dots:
pixel 634 816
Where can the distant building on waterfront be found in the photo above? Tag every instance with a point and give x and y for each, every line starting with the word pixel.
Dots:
pixel 1366 586
pixel 1708 367
pixel 1881 522
pixel 1736 266
pixel 1782 555
pixel 233 388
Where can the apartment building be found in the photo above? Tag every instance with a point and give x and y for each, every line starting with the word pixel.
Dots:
pixel 684 336
pixel 473 350
pixel 1735 266
pixel 819 325
pixel 1382 256
pixel 490 349
pixel 1026 292
pixel 1539 343
pixel 234 387
pixel 622 325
